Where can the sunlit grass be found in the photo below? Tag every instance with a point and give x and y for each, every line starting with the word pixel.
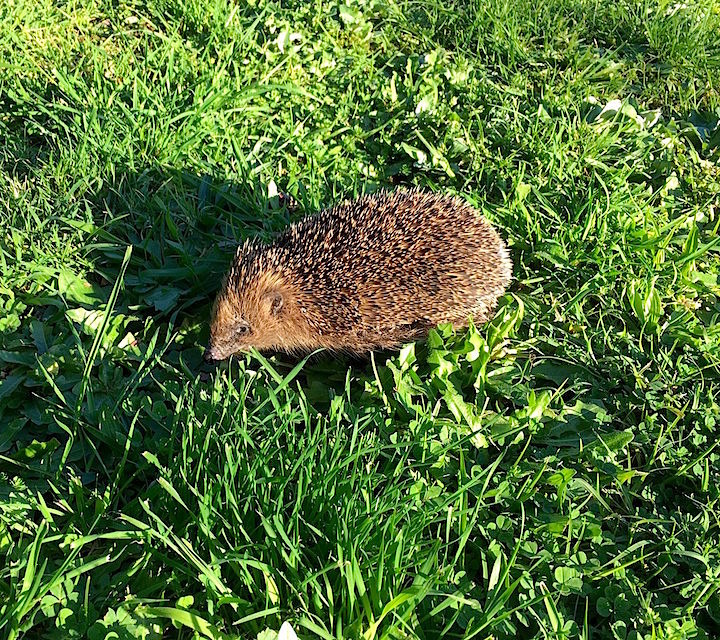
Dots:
pixel 550 475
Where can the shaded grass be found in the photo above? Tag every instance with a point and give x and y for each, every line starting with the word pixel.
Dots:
pixel 553 474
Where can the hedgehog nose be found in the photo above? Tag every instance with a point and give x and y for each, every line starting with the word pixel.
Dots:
pixel 210 355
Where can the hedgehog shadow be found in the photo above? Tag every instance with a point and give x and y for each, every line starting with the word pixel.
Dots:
pixel 184 229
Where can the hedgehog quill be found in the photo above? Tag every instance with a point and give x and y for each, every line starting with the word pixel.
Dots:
pixel 372 273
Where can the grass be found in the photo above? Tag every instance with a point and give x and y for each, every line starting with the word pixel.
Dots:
pixel 553 474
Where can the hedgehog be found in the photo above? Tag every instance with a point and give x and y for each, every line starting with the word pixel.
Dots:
pixel 368 274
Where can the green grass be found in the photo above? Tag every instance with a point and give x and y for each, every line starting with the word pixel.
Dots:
pixel 553 474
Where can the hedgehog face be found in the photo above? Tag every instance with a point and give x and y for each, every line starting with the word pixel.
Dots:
pixel 256 307
pixel 246 319
pixel 229 330
pixel 252 308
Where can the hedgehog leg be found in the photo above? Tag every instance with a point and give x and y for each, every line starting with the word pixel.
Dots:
pixel 408 332
pixel 420 327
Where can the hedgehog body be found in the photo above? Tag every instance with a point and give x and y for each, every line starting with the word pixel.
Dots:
pixel 365 274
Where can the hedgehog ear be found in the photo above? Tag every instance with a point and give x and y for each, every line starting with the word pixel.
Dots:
pixel 274 302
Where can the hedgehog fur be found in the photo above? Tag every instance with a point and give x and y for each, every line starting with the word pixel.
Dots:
pixel 365 274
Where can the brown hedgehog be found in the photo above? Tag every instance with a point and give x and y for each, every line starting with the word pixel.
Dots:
pixel 368 274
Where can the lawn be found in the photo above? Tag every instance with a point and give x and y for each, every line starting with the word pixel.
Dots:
pixel 553 474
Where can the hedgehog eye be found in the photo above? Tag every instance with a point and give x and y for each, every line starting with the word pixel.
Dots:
pixel 242 330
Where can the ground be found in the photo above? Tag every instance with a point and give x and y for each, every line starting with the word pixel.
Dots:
pixel 553 474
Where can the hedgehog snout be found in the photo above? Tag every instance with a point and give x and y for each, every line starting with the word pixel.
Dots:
pixel 211 354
